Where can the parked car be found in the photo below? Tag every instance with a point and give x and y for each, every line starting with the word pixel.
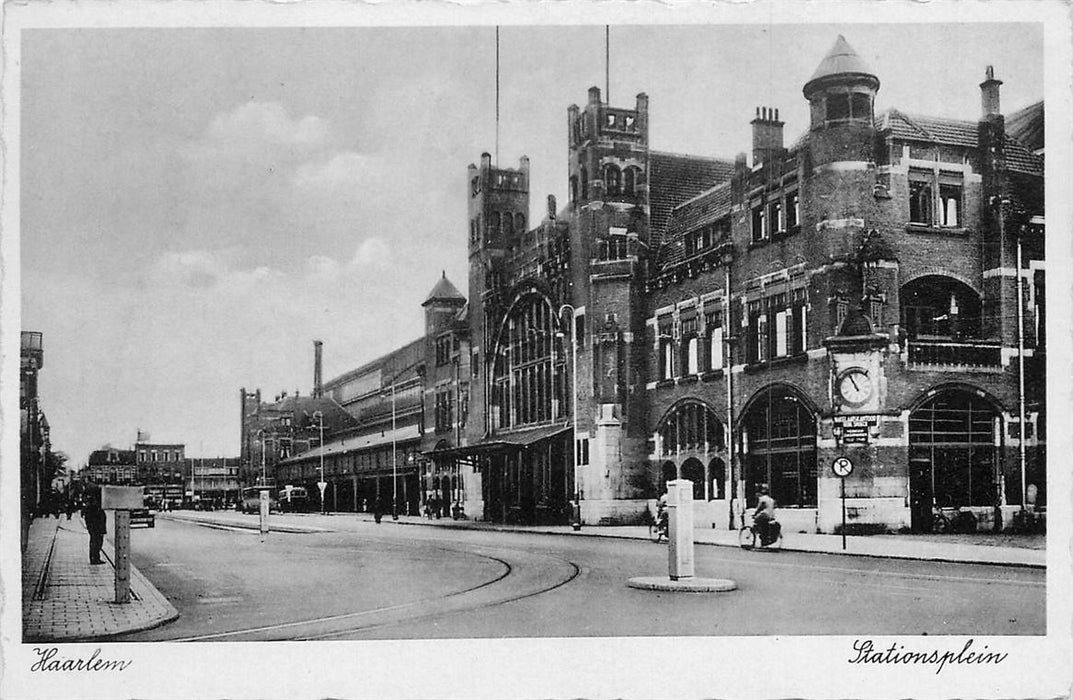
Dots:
pixel 143 516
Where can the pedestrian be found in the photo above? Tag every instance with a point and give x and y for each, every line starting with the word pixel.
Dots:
pixel 97 524
pixel 378 511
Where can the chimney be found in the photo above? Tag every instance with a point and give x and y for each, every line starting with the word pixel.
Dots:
pixel 594 95
pixel 989 93
pixel 551 207
pixel 318 354
pixel 767 135
pixel 486 161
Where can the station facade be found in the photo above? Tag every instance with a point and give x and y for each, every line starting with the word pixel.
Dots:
pixel 874 290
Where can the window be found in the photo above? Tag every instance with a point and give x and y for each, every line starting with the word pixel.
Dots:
pixel 629 181
pixel 838 107
pixel 919 201
pixel 444 410
pixel 759 233
pixel 579 329
pixel 689 360
pixel 519 222
pixel 776 222
pixel 949 204
pixel 793 210
pixel 936 199
pixel 582 451
pixel 776 326
pixel 714 322
pixel 584 183
pixel 666 350
pixel 494 222
pixel 613 179
pixel 861 103
pixel 508 224
pixel 527 380
pixel 443 350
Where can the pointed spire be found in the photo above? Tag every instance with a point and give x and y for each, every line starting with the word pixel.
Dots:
pixel 444 291
pixel 840 63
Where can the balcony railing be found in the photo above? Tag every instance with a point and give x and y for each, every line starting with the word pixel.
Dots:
pixel 961 354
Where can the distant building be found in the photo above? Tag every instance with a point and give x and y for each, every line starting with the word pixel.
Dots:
pixel 34 440
pixel 113 466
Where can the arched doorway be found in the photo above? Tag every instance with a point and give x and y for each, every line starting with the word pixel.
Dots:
pixel 953 458
pixel 780 434
pixel 717 473
pixel 693 470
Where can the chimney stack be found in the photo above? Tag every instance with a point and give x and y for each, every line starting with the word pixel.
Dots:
pixel 989 93
pixel 318 353
pixel 551 207
pixel 767 135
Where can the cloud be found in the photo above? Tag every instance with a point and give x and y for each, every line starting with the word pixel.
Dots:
pixel 343 172
pixel 269 122
pixel 371 252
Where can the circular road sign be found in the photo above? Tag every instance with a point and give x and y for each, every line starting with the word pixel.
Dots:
pixel 842 467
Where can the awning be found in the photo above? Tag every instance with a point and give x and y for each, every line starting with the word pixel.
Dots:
pixel 502 442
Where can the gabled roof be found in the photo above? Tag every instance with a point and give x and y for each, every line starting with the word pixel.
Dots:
pixel 675 178
pixel 842 62
pixel 954 132
pixel 443 291
pixel 1026 125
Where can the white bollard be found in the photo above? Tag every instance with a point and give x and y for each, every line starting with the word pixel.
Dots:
pixel 680 532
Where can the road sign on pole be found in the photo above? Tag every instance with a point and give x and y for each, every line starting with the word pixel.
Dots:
pixel 842 468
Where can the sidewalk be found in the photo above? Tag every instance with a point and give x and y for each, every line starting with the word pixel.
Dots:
pixel 889 546
pixel 64 598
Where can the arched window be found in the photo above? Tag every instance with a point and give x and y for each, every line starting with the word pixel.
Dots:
pixel 573 188
pixel 693 356
pixel 940 307
pixel 584 174
pixel 494 223
pixel 952 455
pixel 529 372
pixel 519 223
pixel 781 438
pixel 690 426
pixel 508 224
pixel 612 179
pixel 629 181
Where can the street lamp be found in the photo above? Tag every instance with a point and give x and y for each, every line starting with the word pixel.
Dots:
pixel 394 460
pixel 322 484
pixel 726 257
pixel 575 515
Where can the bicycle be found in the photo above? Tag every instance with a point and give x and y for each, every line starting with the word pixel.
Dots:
pixel 659 530
pixel 749 537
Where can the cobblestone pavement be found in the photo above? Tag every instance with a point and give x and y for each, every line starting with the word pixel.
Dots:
pixel 65 598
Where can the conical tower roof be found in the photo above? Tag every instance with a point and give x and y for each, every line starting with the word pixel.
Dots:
pixel 444 291
pixel 841 63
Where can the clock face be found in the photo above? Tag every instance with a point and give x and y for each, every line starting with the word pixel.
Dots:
pixel 855 386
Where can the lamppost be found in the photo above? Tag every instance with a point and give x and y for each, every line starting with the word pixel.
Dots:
pixel 726 257
pixel 394 460
pixel 322 484
pixel 261 437
pixel 575 515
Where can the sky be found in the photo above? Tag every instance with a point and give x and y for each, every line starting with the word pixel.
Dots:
pixel 199 205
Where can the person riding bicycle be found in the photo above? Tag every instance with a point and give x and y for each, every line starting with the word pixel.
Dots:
pixel 764 514
pixel 662 517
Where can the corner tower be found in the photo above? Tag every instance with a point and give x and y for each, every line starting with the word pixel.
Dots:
pixel 841 95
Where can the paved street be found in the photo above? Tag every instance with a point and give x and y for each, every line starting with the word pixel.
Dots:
pixel 353 579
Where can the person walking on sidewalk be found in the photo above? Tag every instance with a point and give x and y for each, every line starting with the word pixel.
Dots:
pixel 97 525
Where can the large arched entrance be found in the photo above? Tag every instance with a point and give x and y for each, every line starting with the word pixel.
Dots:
pixel 780 439
pixel 953 456
pixel 937 307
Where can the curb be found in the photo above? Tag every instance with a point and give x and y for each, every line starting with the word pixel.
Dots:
pixel 584 533
pixel 220 524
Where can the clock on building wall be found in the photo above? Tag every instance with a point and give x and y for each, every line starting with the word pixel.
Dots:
pixel 855 387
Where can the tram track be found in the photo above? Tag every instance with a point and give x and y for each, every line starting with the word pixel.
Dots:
pixel 524 575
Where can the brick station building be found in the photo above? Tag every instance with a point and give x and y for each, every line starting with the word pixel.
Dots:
pixel 853 294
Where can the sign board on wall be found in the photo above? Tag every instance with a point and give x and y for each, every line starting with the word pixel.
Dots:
pixel 122 497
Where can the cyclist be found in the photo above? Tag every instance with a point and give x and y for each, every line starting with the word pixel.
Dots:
pixel 764 514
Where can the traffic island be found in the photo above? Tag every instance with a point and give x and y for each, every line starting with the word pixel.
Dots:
pixel 680 578
pixel 682 585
